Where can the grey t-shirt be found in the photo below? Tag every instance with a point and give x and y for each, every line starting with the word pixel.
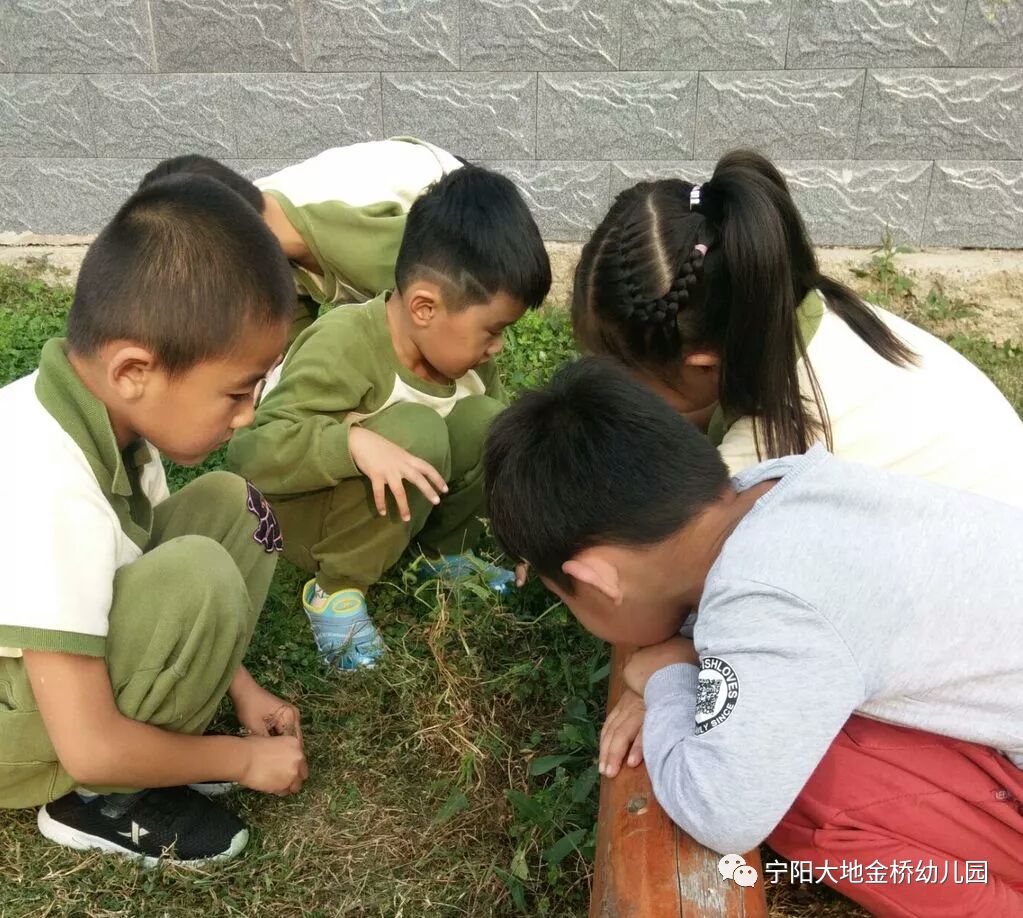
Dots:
pixel 844 589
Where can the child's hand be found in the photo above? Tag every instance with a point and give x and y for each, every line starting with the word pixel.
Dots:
pixel 647 660
pixel 622 734
pixel 263 713
pixel 275 765
pixel 521 573
pixel 387 465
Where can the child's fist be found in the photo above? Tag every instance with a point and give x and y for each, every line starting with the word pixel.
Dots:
pixel 275 765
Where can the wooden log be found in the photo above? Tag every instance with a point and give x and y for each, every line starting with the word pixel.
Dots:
pixel 646 866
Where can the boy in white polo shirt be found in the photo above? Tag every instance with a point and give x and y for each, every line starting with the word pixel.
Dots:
pixel 339 216
pixel 127 610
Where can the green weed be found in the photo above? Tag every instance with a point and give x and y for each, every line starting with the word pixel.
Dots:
pixel 887 286
pixel 890 285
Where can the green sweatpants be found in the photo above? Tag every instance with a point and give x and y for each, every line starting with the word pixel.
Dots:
pixel 338 534
pixel 181 620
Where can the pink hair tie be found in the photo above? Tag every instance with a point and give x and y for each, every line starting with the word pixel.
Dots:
pixel 701 248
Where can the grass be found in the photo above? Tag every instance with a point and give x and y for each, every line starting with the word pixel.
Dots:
pixel 883 283
pixel 456 779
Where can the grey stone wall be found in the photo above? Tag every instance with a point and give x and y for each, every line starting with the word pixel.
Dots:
pixel 906 113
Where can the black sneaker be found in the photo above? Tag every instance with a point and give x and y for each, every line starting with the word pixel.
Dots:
pixel 173 823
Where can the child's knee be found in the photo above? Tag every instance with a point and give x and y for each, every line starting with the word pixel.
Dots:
pixel 239 498
pixel 417 429
pixel 209 569
pixel 468 425
pixel 220 487
pixel 191 579
pixel 180 623
pixel 469 421
pixel 476 411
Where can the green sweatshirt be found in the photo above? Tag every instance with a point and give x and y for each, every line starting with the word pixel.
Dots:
pixel 341 370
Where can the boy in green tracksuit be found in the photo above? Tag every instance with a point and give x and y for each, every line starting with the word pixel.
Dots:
pixel 402 388
pixel 127 609
pixel 339 216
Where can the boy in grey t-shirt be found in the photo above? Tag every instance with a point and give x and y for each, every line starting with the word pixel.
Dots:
pixel 823 589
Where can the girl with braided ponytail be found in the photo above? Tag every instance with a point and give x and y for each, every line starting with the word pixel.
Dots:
pixel 711 294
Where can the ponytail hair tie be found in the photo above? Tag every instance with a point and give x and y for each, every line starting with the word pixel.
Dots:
pixel 694 197
pixel 701 248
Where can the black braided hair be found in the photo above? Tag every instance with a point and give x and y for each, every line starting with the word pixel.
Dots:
pixel 663 311
pixel 640 273
pixel 620 268
pixel 645 293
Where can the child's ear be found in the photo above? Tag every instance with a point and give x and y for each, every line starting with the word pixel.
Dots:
pixel 590 568
pixel 423 301
pixel 129 369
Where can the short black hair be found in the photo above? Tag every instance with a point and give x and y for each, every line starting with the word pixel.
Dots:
pixel 595 458
pixel 473 233
pixel 194 164
pixel 182 267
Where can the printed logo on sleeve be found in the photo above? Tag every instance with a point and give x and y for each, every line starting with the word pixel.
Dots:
pixel 268 530
pixel 716 693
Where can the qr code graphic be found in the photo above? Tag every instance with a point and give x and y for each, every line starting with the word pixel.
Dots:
pixel 707 696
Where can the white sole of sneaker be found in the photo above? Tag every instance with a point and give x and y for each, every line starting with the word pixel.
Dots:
pixel 71 838
pixel 214 788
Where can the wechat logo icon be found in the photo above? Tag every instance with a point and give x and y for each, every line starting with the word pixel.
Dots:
pixel 734 867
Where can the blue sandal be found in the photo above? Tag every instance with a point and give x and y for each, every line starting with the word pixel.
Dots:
pixel 343 631
pixel 452 568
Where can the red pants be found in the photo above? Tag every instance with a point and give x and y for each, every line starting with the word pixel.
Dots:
pixel 902 800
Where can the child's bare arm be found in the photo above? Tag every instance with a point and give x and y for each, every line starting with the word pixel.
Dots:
pixel 98 745
pixel 648 660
